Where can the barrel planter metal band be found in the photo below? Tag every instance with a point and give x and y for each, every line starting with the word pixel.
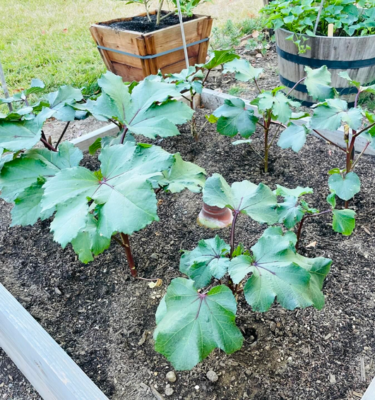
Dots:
pixel 356 55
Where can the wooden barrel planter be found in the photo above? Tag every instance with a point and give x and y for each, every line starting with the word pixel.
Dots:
pixel 356 55
pixel 135 55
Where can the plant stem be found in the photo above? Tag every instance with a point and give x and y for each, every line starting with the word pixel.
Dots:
pixel 303 220
pixel 256 84
pixel 318 17
pixel 297 83
pixel 266 148
pixel 329 141
pixel 232 232
pixel 123 135
pixel 129 256
pixel 62 135
pixel 166 15
pixel 363 130
pixel 159 11
pixel 205 78
pixel 47 145
pixel 362 152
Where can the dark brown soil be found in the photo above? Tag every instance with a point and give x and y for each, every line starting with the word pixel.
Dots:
pixel 104 318
pixel 143 25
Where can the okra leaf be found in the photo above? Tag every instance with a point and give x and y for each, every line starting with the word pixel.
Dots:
pixel 233 118
pixel 331 199
pixel 191 324
pixel 290 212
pixel 208 259
pixel 256 201
pixel 122 187
pixel 345 75
pixel 89 242
pixel 333 112
pixel 343 221
pixel 5 157
pixel 220 57
pixel 345 187
pixel 147 110
pixel 27 206
pixel 294 137
pixel 297 192
pixel 20 135
pixel 277 272
pixel 183 175
pixel 278 103
pixel 244 71
pixel 22 172
pixel 62 102
pixel 318 83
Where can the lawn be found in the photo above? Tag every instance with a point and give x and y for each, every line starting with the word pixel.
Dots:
pixel 50 40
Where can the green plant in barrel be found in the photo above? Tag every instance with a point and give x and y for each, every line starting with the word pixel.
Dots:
pixel 198 314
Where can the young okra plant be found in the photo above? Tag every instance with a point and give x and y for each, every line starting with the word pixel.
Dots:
pixel 89 208
pixel 334 114
pixel 198 314
pixel 190 81
pixel 274 108
pixel 294 211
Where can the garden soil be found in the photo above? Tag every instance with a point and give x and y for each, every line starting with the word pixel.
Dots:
pixel 104 319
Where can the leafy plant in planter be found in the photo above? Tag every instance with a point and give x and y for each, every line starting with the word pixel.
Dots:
pixel 192 320
pixel 332 114
pixel 274 107
pixel 187 7
pixel 309 17
pixel 89 208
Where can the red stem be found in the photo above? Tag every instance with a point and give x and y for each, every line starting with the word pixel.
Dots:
pixel 129 256
pixel 47 145
pixel 303 220
pixel 232 232
pixel 297 83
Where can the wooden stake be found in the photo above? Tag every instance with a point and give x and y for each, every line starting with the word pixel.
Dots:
pixel 330 30
pixel 5 87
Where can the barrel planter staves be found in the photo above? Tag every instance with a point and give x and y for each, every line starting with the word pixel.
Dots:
pixel 356 55
pixel 135 55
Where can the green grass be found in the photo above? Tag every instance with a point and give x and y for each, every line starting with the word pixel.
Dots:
pixel 50 39
pixel 235 90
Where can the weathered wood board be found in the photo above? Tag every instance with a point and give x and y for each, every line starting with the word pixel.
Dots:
pixel 43 362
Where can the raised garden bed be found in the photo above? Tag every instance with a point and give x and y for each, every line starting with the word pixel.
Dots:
pixel 102 317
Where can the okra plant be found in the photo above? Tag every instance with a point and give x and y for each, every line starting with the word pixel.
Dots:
pixel 89 208
pixel 274 107
pixel 191 81
pixel 334 114
pixel 198 314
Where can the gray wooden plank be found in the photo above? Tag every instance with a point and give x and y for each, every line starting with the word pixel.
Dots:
pixel 48 368
pixel 370 392
pixel 85 141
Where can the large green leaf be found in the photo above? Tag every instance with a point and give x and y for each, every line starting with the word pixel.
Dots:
pixel 209 258
pixel 147 110
pixel 277 272
pixel 19 174
pixel 256 201
pixel 244 70
pixel 22 135
pixel 183 175
pixel 89 242
pixel 220 57
pixel 318 83
pixel 290 212
pixel 277 103
pixel 4 157
pixel 343 221
pixel 62 102
pixel 191 324
pixel 188 79
pixel 297 192
pixel 333 112
pixel 294 137
pixel 345 187
pixel 27 206
pixel 121 187
pixel 235 118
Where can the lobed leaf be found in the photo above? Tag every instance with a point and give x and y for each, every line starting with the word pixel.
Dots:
pixel 318 83
pixel 345 187
pixel 243 70
pixel 294 137
pixel 190 324
pixel 220 57
pixel 256 201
